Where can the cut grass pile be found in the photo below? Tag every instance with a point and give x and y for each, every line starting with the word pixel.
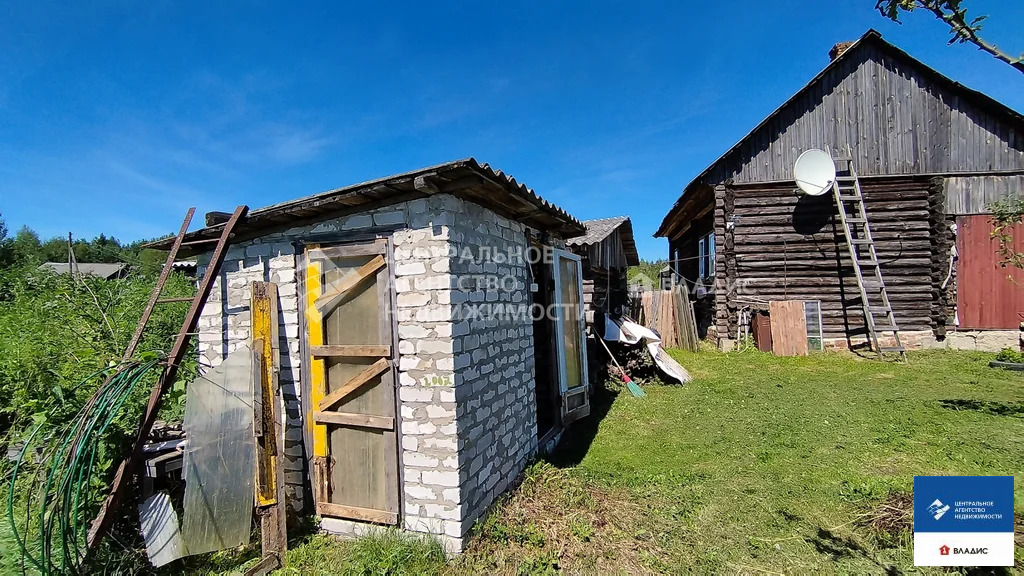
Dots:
pixel 760 465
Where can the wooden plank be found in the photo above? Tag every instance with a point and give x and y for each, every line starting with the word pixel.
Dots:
pixel 357 420
pixel 356 513
pixel 788 327
pixel 269 442
pixel 326 303
pixel 350 350
pixel 317 368
pixel 377 247
pixel 354 384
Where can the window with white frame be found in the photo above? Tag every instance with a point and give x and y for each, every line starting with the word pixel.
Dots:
pixel 706 256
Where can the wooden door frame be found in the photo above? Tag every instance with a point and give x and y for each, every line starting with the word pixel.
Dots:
pixel 301 245
pixel 545 282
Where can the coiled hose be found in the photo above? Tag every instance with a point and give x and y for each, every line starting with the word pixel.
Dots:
pixel 57 507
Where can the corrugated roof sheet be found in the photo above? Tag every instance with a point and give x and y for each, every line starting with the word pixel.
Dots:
pixel 99 269
pixel 465 178
pixel 598 230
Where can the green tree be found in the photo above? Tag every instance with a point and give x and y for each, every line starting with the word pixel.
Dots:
pixel 6 251
pixel 963 29
pixel 26 245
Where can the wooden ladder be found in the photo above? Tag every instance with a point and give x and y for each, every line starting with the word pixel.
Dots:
pixel 121 482
pixel 875 299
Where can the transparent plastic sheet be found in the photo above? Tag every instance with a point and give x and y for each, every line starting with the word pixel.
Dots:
pixel 160 529
pixel 219 463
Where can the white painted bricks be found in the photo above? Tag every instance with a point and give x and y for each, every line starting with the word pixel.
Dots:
pixel 467 421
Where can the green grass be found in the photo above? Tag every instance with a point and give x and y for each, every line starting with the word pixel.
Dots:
pixel 760 465
pixel 771 461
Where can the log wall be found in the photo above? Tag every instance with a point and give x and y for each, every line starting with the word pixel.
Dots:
pixel 784 245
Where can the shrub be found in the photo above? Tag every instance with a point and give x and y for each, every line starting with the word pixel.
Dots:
pixel 1010 355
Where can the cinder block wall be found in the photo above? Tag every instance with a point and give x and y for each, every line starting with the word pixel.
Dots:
pixel 494 381
pixel 467 414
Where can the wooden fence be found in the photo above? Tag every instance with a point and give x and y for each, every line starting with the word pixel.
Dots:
pixel 669 313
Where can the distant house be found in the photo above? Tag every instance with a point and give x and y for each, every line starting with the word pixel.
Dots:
pixel 931 154
pixel 186 267
pixel 607 251
pixel 97 269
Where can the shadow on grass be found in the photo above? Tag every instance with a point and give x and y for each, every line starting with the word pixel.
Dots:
pixel 995 408
pixel 580 435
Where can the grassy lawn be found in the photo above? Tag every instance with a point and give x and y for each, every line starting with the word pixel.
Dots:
pixel 760 465
pixel 774 460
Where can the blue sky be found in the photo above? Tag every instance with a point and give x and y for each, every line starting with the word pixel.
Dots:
pixel 115 117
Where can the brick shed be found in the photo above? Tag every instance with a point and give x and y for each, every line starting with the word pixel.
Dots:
pixel 431 341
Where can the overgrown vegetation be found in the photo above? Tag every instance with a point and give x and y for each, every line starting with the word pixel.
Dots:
pixel 55 331
pixel 1010 355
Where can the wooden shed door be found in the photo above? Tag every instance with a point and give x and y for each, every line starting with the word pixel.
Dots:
pixel 352 383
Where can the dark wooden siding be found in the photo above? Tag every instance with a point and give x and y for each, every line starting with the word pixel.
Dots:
pixel 787 246
pixel 974 194
pixel 896 118
pixel 986 296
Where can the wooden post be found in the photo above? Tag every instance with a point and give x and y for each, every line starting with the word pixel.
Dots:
pixel 270 500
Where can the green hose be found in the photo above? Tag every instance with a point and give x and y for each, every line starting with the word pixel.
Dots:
pixel 60 481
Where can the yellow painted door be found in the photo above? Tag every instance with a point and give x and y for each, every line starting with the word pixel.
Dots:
pixel 352 381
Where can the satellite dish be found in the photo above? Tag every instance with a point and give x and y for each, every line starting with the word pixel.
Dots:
pixel 814 172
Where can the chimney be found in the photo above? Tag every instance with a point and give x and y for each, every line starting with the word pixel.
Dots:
pixel 838 50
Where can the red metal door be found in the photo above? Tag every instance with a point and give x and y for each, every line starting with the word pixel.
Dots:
pixel 988 295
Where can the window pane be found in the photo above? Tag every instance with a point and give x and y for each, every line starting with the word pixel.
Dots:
pixel 569 299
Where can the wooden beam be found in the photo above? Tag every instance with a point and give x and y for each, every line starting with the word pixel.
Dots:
pixel 327 302
pixel 356 513
pixel 353 384
pixel 357 420
pixel 426 185
pixel 343 350
pixel 368 249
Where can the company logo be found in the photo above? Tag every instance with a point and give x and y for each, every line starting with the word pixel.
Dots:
pixel 946 551
pixel 972 524
pixel 937 509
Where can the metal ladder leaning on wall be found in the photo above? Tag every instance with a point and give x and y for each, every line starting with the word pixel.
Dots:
pixel 874 297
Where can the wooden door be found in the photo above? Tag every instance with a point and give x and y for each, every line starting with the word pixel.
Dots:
pixel 352 382
pixel 570 335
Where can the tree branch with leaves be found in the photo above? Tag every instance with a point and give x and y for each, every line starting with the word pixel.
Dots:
pixel 963 29
pixel 1006 214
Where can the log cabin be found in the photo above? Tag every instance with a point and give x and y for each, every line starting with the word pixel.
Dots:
pixel 932 156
